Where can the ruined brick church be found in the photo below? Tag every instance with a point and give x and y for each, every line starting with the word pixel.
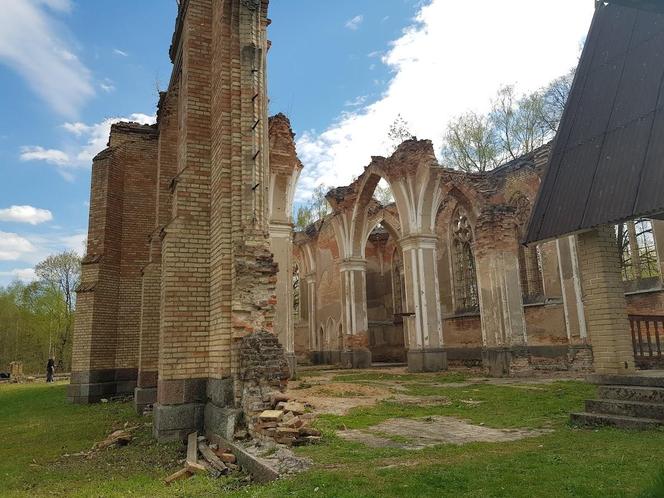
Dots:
pixel 197 296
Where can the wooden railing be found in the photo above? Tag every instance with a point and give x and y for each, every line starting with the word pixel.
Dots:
pixel 647 340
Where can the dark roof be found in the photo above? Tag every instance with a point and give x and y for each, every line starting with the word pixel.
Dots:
pixel 607 162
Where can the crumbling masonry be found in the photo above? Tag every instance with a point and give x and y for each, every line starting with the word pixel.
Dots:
pixel 180 268
pixel 196 297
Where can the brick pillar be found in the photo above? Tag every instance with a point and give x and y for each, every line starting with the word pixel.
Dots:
pixel 106 331
pixel 185 285
pixel 499 287
pixel 423 324
pixel 604 301
pixel 356 352
pixel 148 358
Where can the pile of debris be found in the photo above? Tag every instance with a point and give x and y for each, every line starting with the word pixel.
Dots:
pixel 214 460
pixel 286 423
pixel 121 437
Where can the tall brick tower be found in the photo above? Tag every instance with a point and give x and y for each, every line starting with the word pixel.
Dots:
pixel 207 276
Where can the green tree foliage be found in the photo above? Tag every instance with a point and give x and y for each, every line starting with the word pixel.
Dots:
pixel 515 125
pixel 36 319
pixel 314 210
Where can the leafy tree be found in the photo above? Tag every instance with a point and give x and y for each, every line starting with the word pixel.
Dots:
pixel 514 126
pixel 316 209
pixel 471 143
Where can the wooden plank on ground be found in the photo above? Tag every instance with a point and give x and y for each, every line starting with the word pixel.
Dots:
pixel 212 459
pixel 180 474
pixel 192 449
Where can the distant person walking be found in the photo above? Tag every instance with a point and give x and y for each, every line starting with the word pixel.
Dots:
pixel 50 370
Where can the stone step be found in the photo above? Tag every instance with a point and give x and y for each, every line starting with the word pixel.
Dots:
pixel 635 409
pixel 598 419
pixel 653 378
pixel 632 393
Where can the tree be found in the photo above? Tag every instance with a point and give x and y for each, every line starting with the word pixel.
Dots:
pixel 316 209
pixel 60 274
pixel 471 144
pixel 555 97
pixel 514 126
pixel 518 122
pixel 398 132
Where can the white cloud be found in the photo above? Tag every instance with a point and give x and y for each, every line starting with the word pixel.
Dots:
pixel 449 61
pixel 119 52
pixel 26 275
pixel 25 214
pixel 30 43
pixel 354 23
pixel 14 247
pixel 107 85
pixel 88 141
pixel 51 156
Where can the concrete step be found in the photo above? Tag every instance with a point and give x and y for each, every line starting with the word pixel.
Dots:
pixel 632 393
pixel 635 409
pixel 598 419
pixel 651 378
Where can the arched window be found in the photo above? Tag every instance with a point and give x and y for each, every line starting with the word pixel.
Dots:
pixel 463 264
pixel 638 254
pixel 530 258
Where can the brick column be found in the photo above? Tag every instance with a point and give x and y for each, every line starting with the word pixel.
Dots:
pixel 356 352
pixel 499 287
pixel 423 323
pixel 604 301
pixel 185 285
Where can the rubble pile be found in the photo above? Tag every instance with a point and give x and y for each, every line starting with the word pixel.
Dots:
pixel 286 423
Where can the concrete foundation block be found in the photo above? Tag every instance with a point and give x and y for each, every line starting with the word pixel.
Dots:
pixel 90 393
pixel 222 420
pixel 427 360
pixel 356 358
pixel 497 361
pixel 220 391
pixel 175 422
pixel 144 397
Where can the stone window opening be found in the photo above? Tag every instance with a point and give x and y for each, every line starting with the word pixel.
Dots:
pixel 530 273
pixel 466 298
pixel 530 258
pixel 638 255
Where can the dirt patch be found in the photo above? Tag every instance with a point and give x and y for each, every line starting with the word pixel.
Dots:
pixel 337 398
pixel 415 434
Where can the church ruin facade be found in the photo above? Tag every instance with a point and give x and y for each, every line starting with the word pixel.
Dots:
pixel 197 297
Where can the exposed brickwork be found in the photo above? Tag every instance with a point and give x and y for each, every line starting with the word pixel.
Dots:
pixel 122 200
pixel 604 301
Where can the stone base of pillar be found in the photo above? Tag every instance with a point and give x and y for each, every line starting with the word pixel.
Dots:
pixel 292 365
pixel 497 361
pixel 144 397
pixel 94 385
pixel 222 421
pixel 176 422
pixel 427 360
pixel 355 358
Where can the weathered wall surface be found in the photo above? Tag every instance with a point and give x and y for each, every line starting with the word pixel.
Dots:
pixel 107 325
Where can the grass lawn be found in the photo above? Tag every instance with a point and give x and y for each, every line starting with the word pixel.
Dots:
pixel 38 426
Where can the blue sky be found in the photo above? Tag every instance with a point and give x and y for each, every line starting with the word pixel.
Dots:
pixel 341 70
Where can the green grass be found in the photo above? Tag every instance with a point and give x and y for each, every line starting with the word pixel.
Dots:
pixel 448 377
pixel 37 423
